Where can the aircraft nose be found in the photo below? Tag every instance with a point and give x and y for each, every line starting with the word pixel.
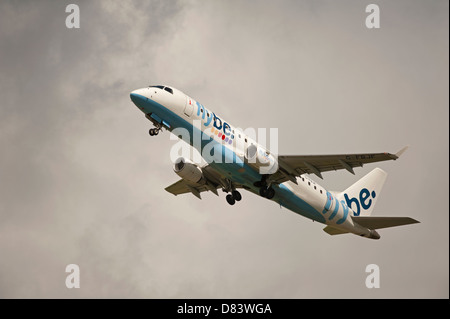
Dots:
pixel 134 96
pixel 137 96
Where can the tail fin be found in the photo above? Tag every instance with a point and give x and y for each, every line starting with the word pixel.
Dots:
pixel 362 196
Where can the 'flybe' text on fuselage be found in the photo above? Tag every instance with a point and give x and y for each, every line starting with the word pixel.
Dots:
pixel 220 125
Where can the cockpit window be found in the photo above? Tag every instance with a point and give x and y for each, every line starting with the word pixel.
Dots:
pixel 168 89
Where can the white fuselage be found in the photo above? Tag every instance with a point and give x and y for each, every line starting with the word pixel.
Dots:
pixel 177 110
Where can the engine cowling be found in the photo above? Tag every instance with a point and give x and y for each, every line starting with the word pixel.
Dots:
pixel 188 170
pixel 261 159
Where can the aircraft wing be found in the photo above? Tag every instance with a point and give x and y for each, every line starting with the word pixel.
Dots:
pixel 213 181
pixel 182 187
pixel 296 165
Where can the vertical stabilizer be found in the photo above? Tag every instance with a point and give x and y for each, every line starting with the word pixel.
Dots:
pixel 362 196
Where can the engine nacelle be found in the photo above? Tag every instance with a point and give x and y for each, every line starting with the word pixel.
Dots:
pixel 188 170
pixel 261 159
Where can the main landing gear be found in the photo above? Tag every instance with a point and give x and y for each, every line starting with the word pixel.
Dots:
pixel 234 197
pixel 265 190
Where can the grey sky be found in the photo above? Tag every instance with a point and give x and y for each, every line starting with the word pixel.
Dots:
pixel 82 182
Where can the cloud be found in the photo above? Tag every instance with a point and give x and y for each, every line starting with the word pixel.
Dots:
pixel 82 182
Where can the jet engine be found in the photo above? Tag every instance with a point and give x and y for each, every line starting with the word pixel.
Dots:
pixel 188 170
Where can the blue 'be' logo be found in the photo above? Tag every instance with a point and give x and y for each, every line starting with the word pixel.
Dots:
pixel 364 201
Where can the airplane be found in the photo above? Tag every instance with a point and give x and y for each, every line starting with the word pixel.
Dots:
pixel 242 163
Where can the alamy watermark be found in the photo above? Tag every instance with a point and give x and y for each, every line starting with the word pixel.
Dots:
pixel 220 143
pixel 373 279
pixel 373 19
pixel 73 279
pixel 73 19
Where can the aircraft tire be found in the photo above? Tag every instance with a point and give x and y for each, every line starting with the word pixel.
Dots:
pixel 263 191
pixel 236 195
pixel 230 199
pixel 270 193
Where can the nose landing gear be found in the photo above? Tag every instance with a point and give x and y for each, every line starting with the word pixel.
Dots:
pixel 154 131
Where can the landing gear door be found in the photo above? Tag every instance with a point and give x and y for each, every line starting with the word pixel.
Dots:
pixel 189 106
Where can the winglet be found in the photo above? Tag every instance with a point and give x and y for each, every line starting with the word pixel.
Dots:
pixel 399 153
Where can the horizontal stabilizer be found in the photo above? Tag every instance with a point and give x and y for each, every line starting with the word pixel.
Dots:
pixel 382 222
pixel 334 231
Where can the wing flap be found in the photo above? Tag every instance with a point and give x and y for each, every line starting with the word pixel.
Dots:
pixel 182 187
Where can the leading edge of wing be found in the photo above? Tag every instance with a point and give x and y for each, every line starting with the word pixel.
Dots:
pixel 316 164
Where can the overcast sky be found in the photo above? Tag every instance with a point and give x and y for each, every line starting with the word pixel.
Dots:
pixel 82 182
